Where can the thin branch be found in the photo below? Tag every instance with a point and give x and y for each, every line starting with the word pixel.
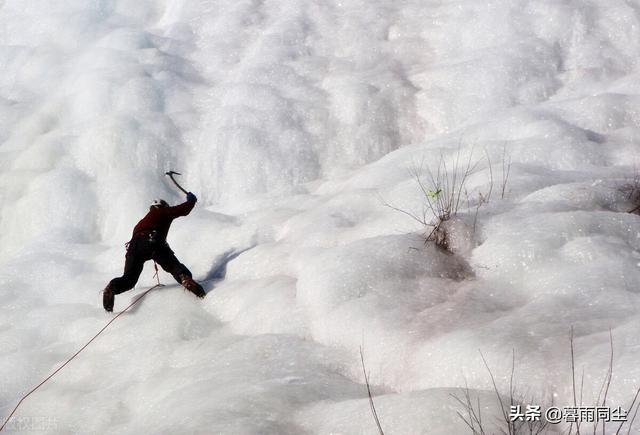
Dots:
pixel 473 430
pixel 635 414
pixel 473 418
pixel 573 380
pixel 505 174
pixel 371 404
pixel 490 175
pixel 513 368
pixel 630 408
pixel 411 215
pixel 495 387
pixel 610 375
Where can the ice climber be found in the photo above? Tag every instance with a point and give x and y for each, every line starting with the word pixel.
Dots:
pixel 149 242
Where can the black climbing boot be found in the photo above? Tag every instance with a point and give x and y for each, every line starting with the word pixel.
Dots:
pixel 108 298
pixel 195 288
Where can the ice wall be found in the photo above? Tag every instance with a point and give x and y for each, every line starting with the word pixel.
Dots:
pixel 290 121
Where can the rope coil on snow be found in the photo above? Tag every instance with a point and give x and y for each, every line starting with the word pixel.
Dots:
pixel 78 352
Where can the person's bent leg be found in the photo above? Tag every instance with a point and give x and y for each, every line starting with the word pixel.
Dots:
pixel 168 261
pixel 132 269
pixel 165 257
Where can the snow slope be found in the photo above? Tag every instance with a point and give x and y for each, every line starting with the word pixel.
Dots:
pixel 294 122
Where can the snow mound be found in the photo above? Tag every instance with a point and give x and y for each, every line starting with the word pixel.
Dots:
pixel 298 124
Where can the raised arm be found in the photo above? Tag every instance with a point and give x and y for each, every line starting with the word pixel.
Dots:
pixel 182 209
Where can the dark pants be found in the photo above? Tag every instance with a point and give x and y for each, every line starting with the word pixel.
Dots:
pixel 140 250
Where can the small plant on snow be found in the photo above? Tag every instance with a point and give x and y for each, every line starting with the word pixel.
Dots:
pixel 444 192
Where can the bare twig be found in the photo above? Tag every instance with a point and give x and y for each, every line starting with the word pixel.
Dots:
pixel 573 380
pixel 474 419
pixel 495 388
pixel 609 376
pixel 518 427
pixel 511 401
pixel 506 169
pixel 371 404
pixel 408 213
pixel 630 409
pixel 488 196
pixel 635 414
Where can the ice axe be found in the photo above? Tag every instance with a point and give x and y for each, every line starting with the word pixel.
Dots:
pixel 171 174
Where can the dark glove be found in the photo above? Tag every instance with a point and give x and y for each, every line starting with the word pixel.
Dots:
pixel 191 197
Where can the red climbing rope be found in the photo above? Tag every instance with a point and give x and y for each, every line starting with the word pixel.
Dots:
pixel 155 265
pixel 76 354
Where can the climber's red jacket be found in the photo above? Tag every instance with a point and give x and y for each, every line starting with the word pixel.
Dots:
pixel 160 218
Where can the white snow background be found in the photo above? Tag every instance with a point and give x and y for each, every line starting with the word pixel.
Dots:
pixel 293 121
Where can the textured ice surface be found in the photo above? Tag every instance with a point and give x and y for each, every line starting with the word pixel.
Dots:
pixel 295 122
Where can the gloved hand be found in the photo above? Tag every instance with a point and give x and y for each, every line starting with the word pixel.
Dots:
pixel 191 197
